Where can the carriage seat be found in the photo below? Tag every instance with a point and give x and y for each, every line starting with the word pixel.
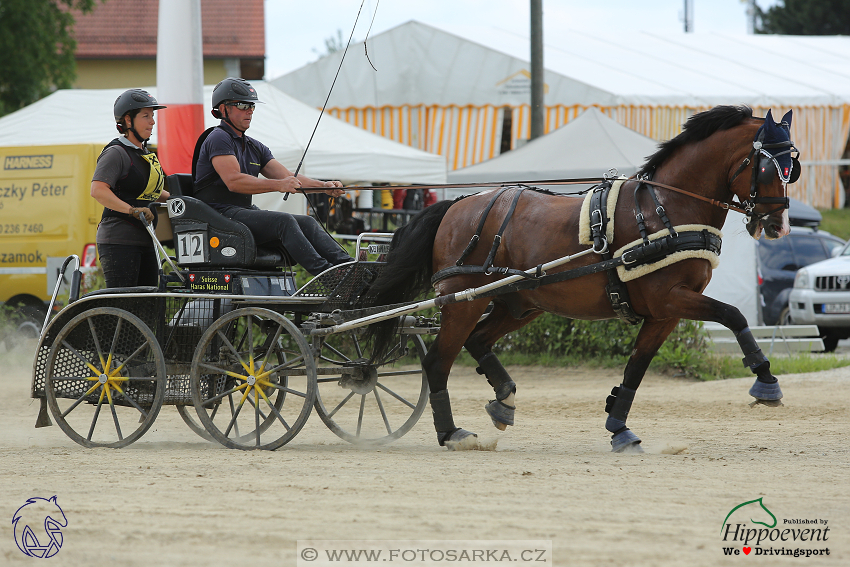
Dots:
pixel 203 237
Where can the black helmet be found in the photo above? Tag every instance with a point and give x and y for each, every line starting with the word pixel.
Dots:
pixel 133 99
pixel 234 89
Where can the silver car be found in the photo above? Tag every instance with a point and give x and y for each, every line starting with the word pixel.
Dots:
pixel 821 296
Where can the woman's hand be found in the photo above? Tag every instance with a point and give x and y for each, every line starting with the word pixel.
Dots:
pixel 139 212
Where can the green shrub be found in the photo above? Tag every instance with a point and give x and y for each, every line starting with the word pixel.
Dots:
pixel 610 342
pixel 837 222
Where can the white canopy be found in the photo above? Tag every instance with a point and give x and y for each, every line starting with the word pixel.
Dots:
pixel 587 146
pixel 420 64
pixel 338 150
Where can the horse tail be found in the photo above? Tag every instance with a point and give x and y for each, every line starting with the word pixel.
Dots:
pixel 408 272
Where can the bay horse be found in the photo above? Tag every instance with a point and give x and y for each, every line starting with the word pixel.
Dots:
pixel 721 154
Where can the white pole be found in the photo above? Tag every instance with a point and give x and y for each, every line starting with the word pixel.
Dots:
pixel 180 82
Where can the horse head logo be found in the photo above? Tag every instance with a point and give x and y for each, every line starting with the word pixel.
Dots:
pixel 38 527
pixel 753 510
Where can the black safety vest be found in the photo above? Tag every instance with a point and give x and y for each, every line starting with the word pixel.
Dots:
pixel 142 185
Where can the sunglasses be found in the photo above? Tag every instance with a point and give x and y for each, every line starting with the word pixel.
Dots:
pixel 242 105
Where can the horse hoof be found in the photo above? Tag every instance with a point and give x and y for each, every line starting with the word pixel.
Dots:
pixel 768 403
pixel 762 391
pixel 461 440
pixel 502 415
pixel 626 442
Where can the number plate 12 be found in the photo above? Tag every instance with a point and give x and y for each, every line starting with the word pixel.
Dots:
pixel 190 248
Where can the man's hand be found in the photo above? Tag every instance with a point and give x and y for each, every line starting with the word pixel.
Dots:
pixel 335 190
pixel 139 212
pixel 289 185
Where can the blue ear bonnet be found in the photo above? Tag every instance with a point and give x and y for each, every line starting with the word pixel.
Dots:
pixel 772 133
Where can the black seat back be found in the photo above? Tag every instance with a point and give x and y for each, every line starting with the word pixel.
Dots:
pixel 180 185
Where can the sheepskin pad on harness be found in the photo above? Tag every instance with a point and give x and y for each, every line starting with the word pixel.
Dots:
pixel 625 272
pixel 644 269
pixel 584 236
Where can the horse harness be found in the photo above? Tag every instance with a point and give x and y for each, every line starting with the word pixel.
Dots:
pixel 649 251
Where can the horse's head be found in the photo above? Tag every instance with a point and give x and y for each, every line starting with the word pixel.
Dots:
pixel 772 166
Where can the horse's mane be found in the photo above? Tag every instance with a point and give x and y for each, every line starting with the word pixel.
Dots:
pixel 698 127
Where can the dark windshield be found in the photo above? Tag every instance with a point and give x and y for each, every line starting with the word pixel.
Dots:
pixel 776 254
pixel 808 250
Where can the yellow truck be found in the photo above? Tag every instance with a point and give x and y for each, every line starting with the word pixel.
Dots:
pixel 46 214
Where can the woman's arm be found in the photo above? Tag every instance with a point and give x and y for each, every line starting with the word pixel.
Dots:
pixel 104 195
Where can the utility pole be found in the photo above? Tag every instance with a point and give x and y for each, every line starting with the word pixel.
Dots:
pixel 537 101
pixel 689 16
pixel 751 15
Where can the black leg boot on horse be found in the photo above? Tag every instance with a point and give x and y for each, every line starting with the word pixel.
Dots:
pixel 502 409
pixel 448 435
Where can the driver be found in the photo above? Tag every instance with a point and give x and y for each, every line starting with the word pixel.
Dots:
pixel 227 174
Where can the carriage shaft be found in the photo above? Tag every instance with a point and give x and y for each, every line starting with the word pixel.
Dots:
pixel 466 295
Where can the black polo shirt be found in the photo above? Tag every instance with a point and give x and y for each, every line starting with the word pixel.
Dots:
pixel 251 154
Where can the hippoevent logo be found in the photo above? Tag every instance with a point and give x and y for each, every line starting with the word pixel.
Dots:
pixel 755 530
pixel 38 527
pixel 28 162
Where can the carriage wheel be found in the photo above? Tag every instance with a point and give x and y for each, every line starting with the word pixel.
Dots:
pixel 105 378
pixel 190 418
pixel 253 379
pixel 370 403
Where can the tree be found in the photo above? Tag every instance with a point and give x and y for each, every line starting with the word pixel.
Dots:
pixel 332 44
pixel 806 17
pixel 38 49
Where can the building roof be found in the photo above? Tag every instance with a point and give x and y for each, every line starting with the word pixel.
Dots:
pixel 421 64
pixel 228 31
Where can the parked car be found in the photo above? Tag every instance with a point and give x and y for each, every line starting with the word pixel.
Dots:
pixel 821 296
pixel 779 261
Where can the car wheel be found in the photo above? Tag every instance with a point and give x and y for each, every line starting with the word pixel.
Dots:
pixel 830 342
pixel 785 317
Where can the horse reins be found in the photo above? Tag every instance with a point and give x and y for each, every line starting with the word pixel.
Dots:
pixel 746 207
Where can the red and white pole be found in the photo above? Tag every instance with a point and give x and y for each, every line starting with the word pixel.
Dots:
pixel 179 83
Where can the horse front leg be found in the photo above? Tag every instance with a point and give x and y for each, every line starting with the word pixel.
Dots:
pixel 689 304
pixel 458 320
pixel 651 336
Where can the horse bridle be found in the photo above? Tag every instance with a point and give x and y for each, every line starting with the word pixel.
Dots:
pixel 765 164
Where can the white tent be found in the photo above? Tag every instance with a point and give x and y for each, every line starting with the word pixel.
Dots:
pixel 338 150
pixel 418 63
pixel 588 146
pixel 451 91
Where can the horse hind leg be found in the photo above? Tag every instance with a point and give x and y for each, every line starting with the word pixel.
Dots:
pixel 479 344
pixel 502 409
pixel 458 321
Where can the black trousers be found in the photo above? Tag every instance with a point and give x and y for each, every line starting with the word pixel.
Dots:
pixel 300 235
pixel 128 266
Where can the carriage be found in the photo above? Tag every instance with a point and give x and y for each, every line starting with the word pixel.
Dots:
pixel 228 339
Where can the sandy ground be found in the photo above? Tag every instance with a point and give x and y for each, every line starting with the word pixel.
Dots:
pixel 174 499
